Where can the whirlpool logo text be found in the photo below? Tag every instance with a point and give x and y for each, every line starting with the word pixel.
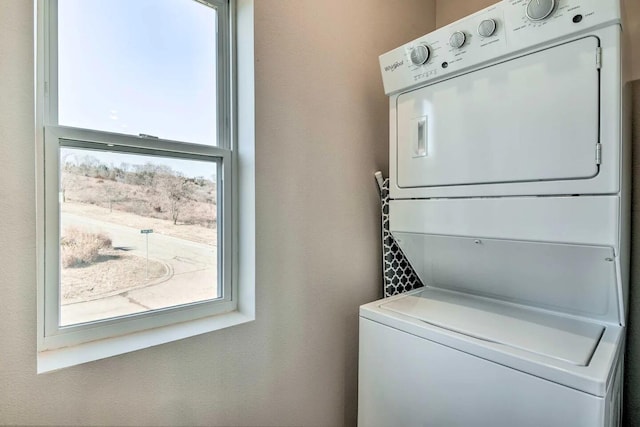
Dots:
pixel 393 66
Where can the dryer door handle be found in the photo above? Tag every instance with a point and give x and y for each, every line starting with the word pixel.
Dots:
pixel 420 142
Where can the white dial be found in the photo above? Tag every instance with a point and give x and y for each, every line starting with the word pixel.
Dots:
pixel 487 28
pixel 420 54
pixel 457 39
pixel 538 10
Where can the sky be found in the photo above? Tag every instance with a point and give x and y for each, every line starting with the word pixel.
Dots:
pixel 144 66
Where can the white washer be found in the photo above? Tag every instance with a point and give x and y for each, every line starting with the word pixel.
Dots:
pixel 509 181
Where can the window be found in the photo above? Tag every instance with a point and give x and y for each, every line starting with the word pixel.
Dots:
pixel 136 153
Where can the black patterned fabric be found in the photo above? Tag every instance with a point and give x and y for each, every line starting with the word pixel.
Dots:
pixel 399 276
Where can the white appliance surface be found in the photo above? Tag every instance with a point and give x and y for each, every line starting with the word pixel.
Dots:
pixel 584 220
pixel 534 118
pixel 509 172
pixel 533 109
pixel 419 382
pixel 567 339
pixel 518 337
pixel 514 33
pixel 574 279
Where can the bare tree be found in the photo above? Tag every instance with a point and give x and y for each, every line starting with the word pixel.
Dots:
pixel 176 192
pixel 67 175
pixel 88 165
pixel 66 180
pixel 113 193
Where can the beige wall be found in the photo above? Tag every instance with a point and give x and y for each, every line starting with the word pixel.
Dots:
pixel 448 11
pixel 321 133
pixel 631 10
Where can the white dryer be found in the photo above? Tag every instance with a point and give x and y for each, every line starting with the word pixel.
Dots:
pixel 510 179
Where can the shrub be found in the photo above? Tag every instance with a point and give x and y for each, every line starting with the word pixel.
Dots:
pixel 79 247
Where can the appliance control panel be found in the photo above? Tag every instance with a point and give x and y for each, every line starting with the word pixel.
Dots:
pixel 497 31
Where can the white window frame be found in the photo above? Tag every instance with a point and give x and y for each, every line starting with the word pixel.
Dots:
pixel 59 347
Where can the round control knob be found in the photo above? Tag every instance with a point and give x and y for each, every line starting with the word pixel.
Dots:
pixel 487 28
pixel 538 10
pixel 420 54
pixel 457 39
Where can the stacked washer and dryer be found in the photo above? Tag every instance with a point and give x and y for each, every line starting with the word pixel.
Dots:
pixel 510 178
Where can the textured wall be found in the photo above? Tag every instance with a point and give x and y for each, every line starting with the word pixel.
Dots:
pixel 321 133
pixel 631 11
pixel 448 11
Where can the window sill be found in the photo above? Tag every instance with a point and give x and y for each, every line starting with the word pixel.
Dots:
pixel 53 360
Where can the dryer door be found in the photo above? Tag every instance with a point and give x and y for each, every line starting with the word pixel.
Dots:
pixel 533 118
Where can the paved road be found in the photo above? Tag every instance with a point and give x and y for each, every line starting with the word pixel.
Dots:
pixel 194 268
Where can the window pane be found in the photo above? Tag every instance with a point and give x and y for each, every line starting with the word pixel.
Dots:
pixel 138 233
pixel 138 67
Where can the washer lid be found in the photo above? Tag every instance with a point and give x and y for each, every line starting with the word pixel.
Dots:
pixel 566 339
pixel 579 280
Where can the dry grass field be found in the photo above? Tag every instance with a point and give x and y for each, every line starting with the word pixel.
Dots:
pixel 148 198
pixel 199 208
